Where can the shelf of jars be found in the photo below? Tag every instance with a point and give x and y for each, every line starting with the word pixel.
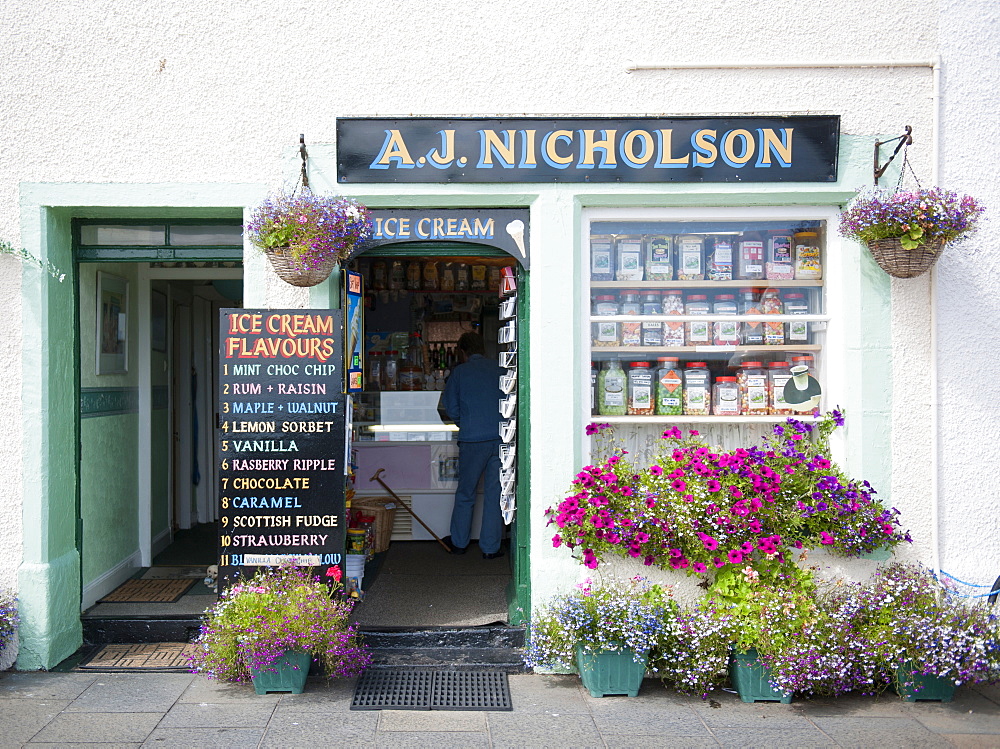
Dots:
pixel 705 284
pixel 710 419
pixel 706 349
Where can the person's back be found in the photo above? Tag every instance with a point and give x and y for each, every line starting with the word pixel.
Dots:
pixel 471 399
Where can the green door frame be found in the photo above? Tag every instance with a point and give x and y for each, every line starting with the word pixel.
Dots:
pixel 519 589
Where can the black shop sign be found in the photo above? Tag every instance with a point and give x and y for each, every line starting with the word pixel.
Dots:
pixel 577 149
pixel 281 440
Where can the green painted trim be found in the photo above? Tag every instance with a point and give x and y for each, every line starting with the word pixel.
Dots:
pixel 438 249
pixel 156 255
pixel 108 401
pixel 519 590
pixel 160 397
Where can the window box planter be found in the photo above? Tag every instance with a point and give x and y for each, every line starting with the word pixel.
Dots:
pixel 608 672
pixel 287 673
pixel 917 687
pixel 752 679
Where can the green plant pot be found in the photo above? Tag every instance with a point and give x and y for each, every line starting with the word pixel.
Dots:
pixel 611 671
pixel 922 688
pixel 752 679
pixel 287 673
pixel 881 554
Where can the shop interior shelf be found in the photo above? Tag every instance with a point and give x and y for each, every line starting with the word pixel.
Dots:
pixel 763 284
pixel 641 351
pixel 696 419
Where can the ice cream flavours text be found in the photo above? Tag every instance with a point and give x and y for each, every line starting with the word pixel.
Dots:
pixel 303 336
pixel 593 148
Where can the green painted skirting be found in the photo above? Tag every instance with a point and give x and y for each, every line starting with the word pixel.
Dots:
pixel 108 401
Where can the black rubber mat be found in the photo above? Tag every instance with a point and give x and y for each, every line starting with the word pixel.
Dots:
pixel 408 689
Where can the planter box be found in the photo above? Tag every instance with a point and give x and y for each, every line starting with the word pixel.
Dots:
pixel 287 673
pixel 752 679
pixel 923 688
pixel 611 671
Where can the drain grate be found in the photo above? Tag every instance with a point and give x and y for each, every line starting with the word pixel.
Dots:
pixel 389 689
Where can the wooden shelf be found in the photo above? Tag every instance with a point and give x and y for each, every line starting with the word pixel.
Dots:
pixel 598 419
pixel 641 351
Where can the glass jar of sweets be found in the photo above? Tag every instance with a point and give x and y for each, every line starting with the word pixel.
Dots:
pixel 778 373
pixel 726 397
pixel 725 332
pixel 697 395
pixel 640 389
pixel 673 304
pixel 697 333
pixel 631 330
pixel 611 390
pixel 605 333
pixel 669 387
pixel 752 380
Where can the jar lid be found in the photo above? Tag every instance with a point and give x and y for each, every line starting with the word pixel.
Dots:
pixel 696 298
pixel 605 298
pixel 747 290
pixel 629 291
pixel 639 364
pixel 794 295
pixel 806 234
pixel 696 364
pixel 667 358
pixel 673 291
pixel 752 364
pixel 724 297
pixel 804 357
pixel 725 379
pixel 651 292
pixel 776 364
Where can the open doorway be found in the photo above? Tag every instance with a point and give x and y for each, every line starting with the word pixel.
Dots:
pixel 147 464
pixel 418 304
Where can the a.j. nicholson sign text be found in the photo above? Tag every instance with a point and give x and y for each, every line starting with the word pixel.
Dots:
pixel 670 149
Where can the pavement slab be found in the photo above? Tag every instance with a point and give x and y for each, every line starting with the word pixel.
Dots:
pixel 424 739
pixel 774 738
pixel 440 721
pixel 517 730
pixel 132 693
pixel 885 733
pixel 106 727
pixel 21 719
pixel 34 685
pixel 234 738
pixel 332 728
pixel 207 715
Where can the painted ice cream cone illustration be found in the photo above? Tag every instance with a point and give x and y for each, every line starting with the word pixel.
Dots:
pixel 516 230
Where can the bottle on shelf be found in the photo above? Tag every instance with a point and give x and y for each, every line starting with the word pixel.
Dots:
pixel 652 332
pixel 390 370
pixel 778 373
pixel 751 333
pixel 720 261
pixel 750 257
pixel 770 304
pixel 726 332
pixel 795 303
pixel 431 281
pixel 752 379
pixel 413 275
pixel 673 304
pixel 374 370
pixel 659 259
pixel 808 256
pixel 629 265
pixel 697 333
pixel 697 389
pixel 611 386
pixel 461 277
pixel 690 258
pixel 669 387
pixel 726 397
pixel 448 277
pixel 779 257
pixel 631 331
pixel 640 389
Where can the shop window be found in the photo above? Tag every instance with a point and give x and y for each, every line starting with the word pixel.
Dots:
pixel 706 321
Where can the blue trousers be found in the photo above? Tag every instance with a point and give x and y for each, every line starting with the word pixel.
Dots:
pixel 477 459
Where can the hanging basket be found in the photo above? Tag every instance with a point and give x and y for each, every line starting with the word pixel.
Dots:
pixel 900 262
pixel 289 270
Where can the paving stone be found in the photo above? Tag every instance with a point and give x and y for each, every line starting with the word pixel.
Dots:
pixel 21 719
pixel 238 738
pixel 99 727
pixel 614 741
pixel 205 715
pixel 969 713
pixel 556 694
pixel 431 720
pixel 648 721
pixel 320 694
pixel 333 727
pixel 775 738
pixel 42 685
pixel 220 692
pixel 519 730
pixel 732 713
pixel 87 745
pixel 885 705
pixel 131 693
pixel 424 739
pixel 884 733
pixel 971 741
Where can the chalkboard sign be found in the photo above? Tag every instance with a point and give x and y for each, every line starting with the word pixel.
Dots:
pixel 281 438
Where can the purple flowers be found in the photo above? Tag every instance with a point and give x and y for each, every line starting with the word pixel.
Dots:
pixel 915 216
pixel 313 228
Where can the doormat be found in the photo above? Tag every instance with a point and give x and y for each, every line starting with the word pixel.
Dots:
pixel 142 656
pixel 149 591
pixel 409 689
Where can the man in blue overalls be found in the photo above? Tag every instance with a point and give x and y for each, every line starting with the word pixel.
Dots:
pixel 471 399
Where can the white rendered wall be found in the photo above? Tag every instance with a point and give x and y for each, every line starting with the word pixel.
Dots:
pixel 185 92
pixel 968 292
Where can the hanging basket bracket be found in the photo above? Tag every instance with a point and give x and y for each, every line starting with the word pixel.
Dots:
pixel 906 139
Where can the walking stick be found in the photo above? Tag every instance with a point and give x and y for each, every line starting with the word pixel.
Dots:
pixel 377 477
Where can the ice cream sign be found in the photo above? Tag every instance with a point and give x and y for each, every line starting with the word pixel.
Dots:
pixel 575 149
pixel 502 228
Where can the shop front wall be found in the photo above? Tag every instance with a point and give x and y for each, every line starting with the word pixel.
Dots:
pixel 185 166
